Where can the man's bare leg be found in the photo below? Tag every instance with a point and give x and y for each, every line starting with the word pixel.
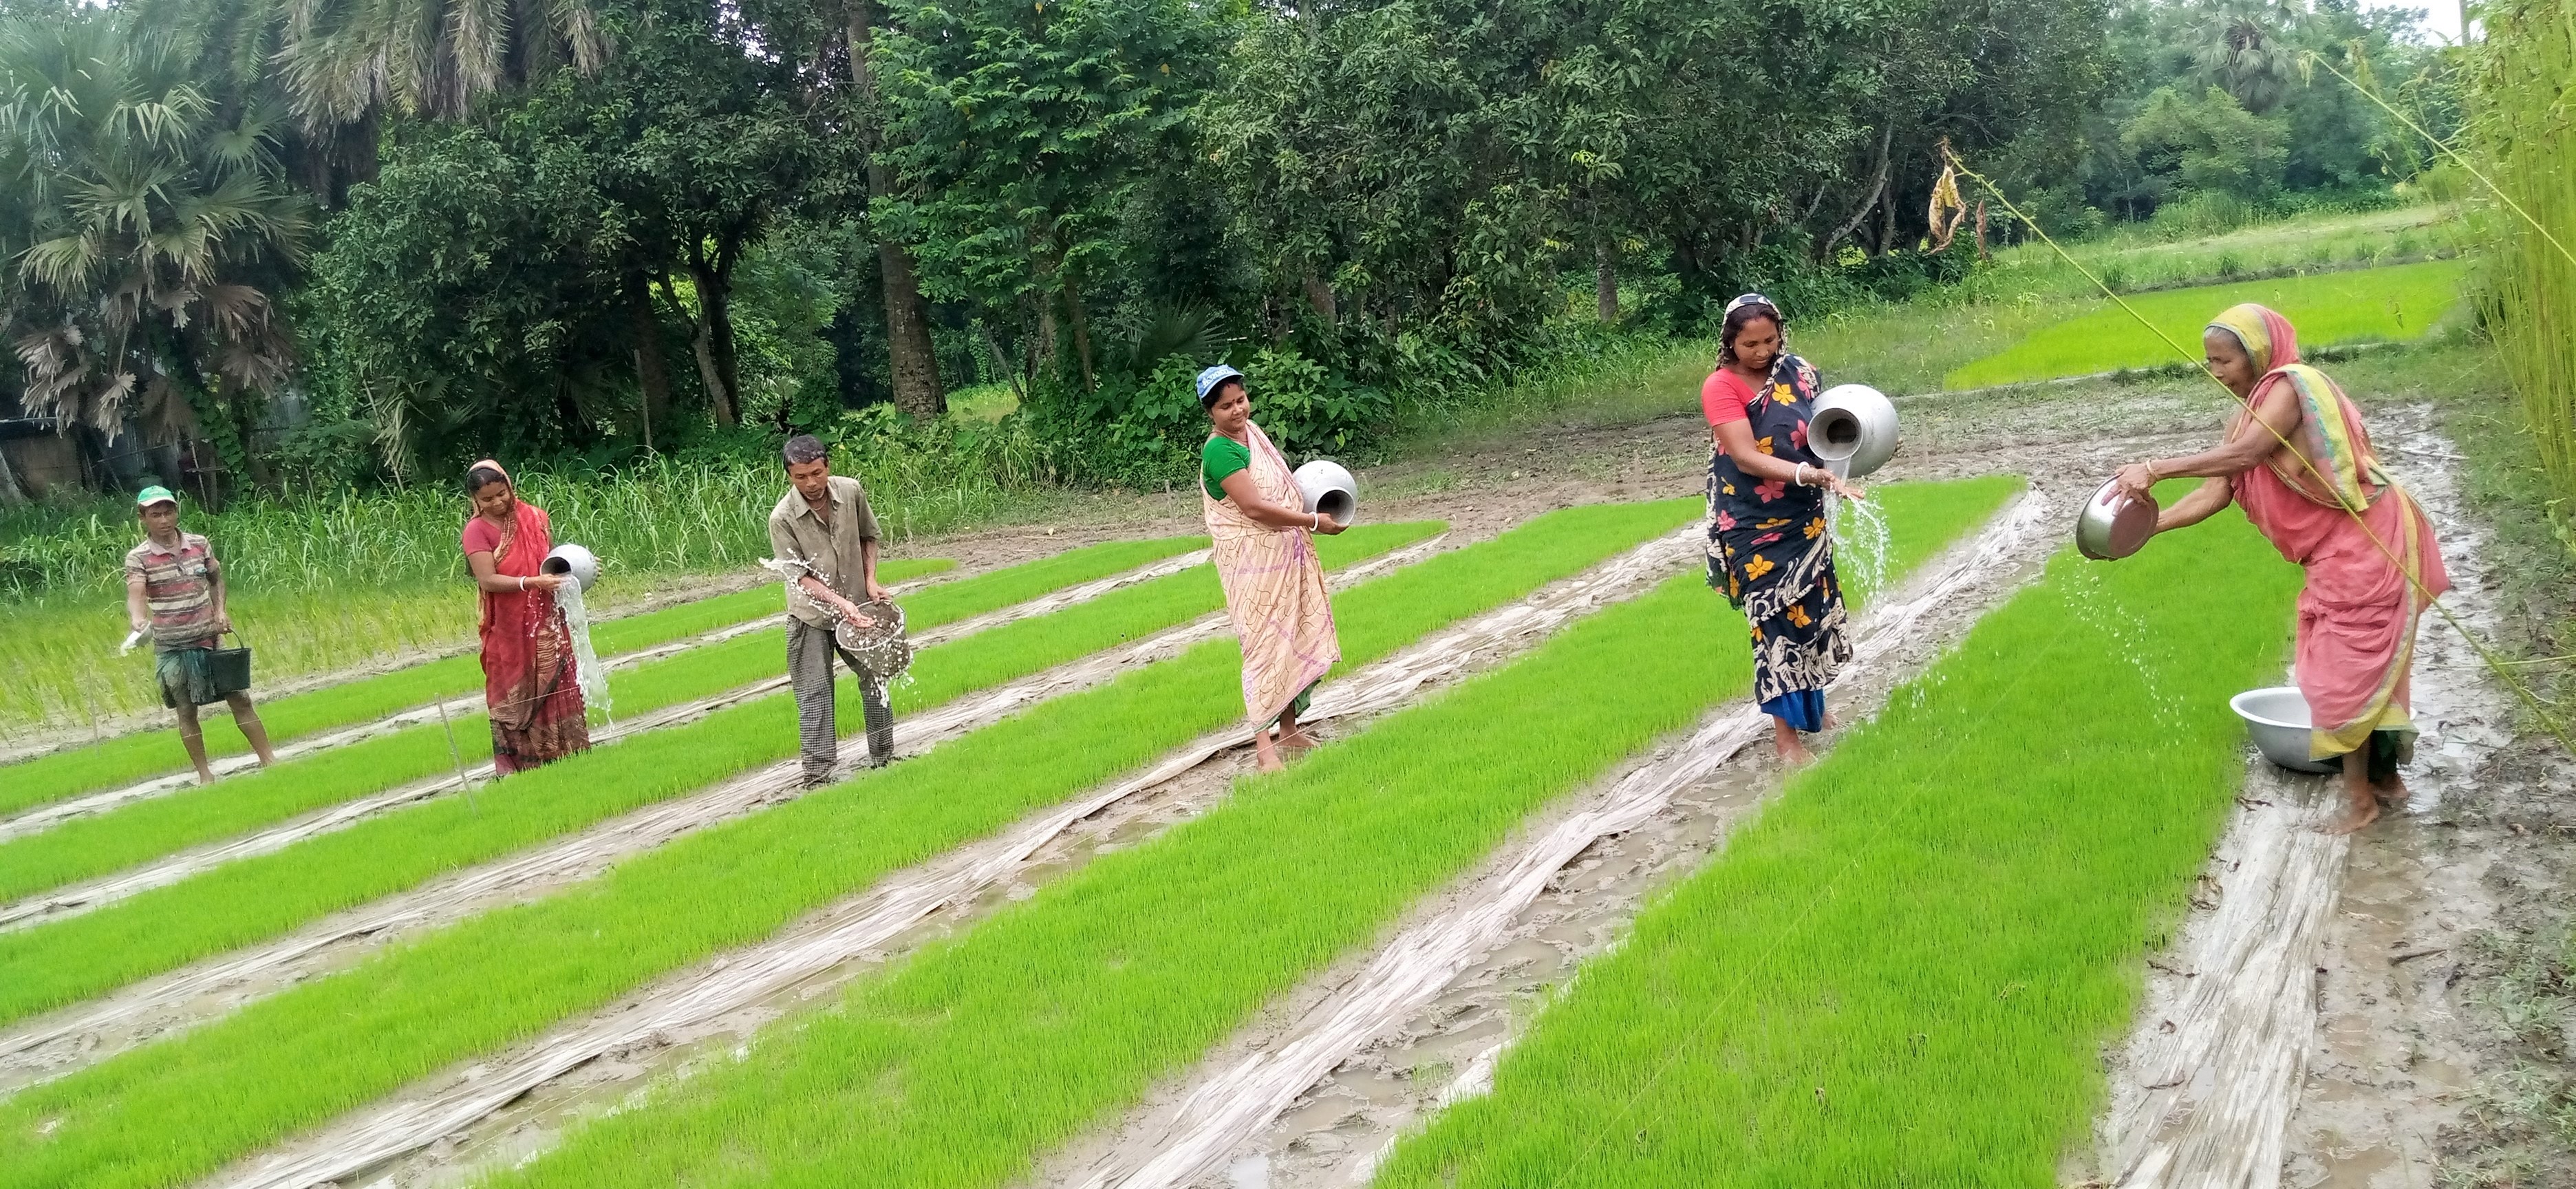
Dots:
pixel 247 718
pixel 2360 807
pixel 193 737
pixel 1784 739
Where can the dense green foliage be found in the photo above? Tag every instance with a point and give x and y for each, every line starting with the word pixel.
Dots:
pixel 168 1112
pixel 2526 142
pixel 1905 971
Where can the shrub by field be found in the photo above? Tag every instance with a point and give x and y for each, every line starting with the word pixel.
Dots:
pixel 2368 305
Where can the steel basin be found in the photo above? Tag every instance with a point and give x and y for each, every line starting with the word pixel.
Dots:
pixel 1329 489
pixel 2277 718
pixel 2114 524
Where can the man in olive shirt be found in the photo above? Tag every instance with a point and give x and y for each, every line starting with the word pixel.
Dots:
pixel 824 523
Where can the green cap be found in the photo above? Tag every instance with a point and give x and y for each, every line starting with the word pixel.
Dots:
pixel 155 494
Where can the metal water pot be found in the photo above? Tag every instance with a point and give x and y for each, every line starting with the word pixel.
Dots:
pixel 574 561
pixel 1853 429
pixel 1329 489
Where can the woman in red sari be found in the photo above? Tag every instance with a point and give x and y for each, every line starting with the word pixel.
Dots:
pixel 529 682
pixel 2301 465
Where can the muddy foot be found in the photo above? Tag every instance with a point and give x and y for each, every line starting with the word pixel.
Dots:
pixel 2353 817
pixel 1298 739
pixel 2392 795
pixel 1794 754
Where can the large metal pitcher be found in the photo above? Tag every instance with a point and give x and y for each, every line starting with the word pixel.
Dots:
pixel 1853 429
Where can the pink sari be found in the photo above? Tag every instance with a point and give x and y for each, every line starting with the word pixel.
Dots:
pixel 2358 611
pixel 1274 590
pixel 530 686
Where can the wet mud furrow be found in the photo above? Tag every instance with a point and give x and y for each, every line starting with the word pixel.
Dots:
pixel 504 1108
pixel 2289 1032
pixel 59 1042
pixel 46 817
pixel 74 899
pixel 1306 1096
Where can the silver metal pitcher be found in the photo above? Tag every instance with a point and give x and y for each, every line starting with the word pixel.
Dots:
pixel 1853 429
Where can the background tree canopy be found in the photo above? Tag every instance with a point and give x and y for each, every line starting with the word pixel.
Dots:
pixel 361 241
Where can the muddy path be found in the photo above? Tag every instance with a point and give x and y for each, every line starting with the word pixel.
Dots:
pixel 60 1042
pixel 510 1105
pixel 98 893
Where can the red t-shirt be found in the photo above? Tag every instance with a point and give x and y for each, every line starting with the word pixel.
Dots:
pixel 1724 396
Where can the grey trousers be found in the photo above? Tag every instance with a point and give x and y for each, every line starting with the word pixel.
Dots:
pixel 809 670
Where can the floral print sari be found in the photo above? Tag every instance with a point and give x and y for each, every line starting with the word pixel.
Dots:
pixel 1770 554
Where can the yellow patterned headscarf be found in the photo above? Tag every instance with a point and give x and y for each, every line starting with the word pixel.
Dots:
pixel 2329 433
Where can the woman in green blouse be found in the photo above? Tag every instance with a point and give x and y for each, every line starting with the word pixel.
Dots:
pixel 1274 584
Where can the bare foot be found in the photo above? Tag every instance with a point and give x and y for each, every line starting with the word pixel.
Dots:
pixel 2393 794
pixel 1298 739
pixel 1793 751
pixel 1264 756
pixel 2353 817
pixel 1830 721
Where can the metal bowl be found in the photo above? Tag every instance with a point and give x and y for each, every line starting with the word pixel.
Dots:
pixel 2114 523
pixel 1853 429
pixel 2277 718
pixel 573 560
pixel 1329 489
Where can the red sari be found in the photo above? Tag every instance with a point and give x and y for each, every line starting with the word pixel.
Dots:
pixel 529 683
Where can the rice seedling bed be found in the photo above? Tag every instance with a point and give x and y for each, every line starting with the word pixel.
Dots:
pixel 179 1109
pixel 1905 970
pixel 238 903
pixel 969 1061
pixel 92 846
pixel 145 754
pixel 2374 304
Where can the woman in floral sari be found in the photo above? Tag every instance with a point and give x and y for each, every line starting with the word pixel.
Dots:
pixel 529 683
pixel 1768 546
pixel 1274 584
pixel 2302 467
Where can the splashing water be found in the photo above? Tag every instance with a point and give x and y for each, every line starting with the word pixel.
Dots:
pixel 1863 540
pixel 2127 634
pixel 587 669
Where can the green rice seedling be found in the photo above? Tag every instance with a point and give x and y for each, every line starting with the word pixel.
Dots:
pixel 89 847
pixel 168 1112
pixel 145 754
pixel 257 898
pixel 1906 971
pixel 2378 304
pixel 963 1066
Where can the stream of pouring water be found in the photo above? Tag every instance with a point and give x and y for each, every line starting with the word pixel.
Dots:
pixel 1862 540
pixel 587 669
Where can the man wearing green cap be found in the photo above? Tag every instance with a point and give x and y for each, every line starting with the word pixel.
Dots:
pixel 174 589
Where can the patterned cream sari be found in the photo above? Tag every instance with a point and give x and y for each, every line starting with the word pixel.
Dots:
pixel 1274 590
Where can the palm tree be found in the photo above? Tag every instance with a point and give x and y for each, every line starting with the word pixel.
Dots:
pixel 2242 46
pixel 347 59
pixel 146 232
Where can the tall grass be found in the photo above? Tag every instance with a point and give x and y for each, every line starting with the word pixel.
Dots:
pixel 172 1111
pixel 1905 972
pixel 93 846
pixel 254 899
pixel 963 1066
pixel 2520 124
pixel 139 755
pixel 2380 304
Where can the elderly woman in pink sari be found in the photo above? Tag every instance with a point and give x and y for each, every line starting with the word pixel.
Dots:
pixel 2371 560
pixel 1265 556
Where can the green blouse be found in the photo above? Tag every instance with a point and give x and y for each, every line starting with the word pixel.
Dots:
pixel 1222 456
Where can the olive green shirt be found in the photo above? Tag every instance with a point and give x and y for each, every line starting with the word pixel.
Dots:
pixel 833 550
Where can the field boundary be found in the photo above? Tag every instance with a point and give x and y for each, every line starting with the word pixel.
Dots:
pixel 734 981
pixel 2138 375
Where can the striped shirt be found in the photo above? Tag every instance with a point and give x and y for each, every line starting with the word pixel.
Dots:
pixel 180 588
